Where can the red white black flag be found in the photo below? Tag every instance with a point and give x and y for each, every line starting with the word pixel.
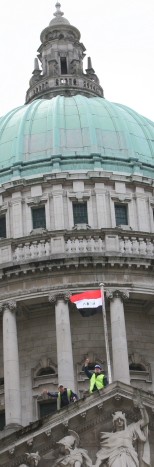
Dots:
pixel 89 302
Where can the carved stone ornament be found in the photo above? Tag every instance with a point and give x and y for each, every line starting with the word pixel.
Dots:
pixel 117 448
pixel 30 442
pixel 61 295
pixel 52 297
pixel 117 293
pixel 33 459
pixel 11 451
pixel 11 305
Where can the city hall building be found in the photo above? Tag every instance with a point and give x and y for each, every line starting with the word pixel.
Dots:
pixel 76 210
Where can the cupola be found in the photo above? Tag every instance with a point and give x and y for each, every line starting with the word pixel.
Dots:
pixel 58 69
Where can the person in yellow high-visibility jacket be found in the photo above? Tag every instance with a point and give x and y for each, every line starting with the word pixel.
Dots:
pixel 64 396
pixel 98 379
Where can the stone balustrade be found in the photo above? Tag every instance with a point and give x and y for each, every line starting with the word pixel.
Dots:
pixel 81 244
pixel 47 85
pixel 65 245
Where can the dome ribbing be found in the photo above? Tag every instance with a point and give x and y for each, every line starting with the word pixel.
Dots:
pixel 74 133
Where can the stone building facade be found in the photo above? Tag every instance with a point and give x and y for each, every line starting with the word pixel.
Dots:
pixel 76 210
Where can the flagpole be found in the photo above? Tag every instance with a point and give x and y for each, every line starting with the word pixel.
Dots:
pixel 106 335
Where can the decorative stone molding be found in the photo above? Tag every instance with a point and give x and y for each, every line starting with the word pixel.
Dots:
pixel 53 298
pixel 118 398
pixel 100 406
pixel 12 451
pixel 43 363
pixel 115 293
pixel 11 305
pixel 4 208
pixel 37 200
pixel 30 442
pixel 79 196
pixel 48 433
pixel 121 198
pixel 83 414
pixel 65 423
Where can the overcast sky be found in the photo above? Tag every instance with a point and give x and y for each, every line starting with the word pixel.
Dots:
pixel 118 35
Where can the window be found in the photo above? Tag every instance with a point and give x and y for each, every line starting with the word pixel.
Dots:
pixel 46 371
pixel 47 407
pixel 136 367
pixel 121 214
pixel 63 64
pixel 3 227
pixel 2 420
pixel 80 213
pixel 38 218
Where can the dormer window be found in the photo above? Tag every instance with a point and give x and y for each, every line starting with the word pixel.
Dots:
pixel 63 64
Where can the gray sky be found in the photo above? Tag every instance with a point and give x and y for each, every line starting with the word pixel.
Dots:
pixel 118 35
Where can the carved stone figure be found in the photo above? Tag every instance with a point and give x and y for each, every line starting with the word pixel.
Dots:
pixel 71 454
pixel 33 459
pixel 117 448
pixel 76 67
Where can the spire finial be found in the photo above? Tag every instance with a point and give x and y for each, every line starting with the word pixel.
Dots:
pixel 58 10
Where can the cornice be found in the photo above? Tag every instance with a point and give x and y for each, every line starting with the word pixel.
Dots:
pixel 54 292
pixel 103 176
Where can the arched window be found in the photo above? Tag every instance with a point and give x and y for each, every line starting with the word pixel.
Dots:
pixel 136 367
pixel 46 371
pixel 140 371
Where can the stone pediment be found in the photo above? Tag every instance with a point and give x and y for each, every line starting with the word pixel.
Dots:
pixel 86 417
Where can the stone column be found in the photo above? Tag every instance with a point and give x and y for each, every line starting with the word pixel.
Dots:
pixel 64 342
pixel 118 334
pixel 11 365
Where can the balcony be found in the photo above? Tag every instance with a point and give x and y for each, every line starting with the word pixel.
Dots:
pixel 56 248
pixel 55 85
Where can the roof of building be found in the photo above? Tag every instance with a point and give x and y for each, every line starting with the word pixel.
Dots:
pixel 74 133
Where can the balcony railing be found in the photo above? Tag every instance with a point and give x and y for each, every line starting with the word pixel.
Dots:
pixel 65 81
pixel 66 245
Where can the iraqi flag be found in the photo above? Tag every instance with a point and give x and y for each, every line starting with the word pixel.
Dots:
pixel 88 303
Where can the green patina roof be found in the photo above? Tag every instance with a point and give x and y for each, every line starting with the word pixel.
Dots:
pixel 74 133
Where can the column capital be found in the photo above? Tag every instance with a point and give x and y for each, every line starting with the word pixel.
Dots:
pixel 10 304
pixel 61 295
pixel 117 293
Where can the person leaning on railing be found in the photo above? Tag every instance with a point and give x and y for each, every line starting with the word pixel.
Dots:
pixel 64 396
pixel 98 379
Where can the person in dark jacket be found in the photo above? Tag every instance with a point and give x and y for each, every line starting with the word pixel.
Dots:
pixel 64 396
pixel 98 379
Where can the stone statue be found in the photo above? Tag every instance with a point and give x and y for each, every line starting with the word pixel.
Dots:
pixel 71 454
pixel 33 459
pixel 117 448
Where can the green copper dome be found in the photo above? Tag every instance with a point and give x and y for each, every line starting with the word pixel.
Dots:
pixel 74 133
